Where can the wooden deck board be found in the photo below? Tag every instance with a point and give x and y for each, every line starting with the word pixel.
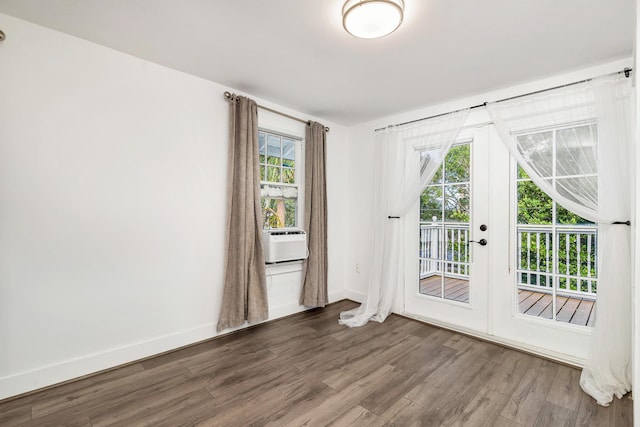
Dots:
pixel 577 311
pixel 581 316
pixel 454 289
pixel 541 304
pixel 566 312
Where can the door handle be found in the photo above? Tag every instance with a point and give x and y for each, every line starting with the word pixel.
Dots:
pixel 481 242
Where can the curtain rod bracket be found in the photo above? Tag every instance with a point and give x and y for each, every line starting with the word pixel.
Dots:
pixel 627 71
pixel 621 223
pixel 2 36
pixel 232 97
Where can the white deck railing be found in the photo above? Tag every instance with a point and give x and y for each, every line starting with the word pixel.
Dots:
pixel 445 248
pixel 575 265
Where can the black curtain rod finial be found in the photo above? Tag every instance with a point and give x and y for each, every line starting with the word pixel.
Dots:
pixel 627 71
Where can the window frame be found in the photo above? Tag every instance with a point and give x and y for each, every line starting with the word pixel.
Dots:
pixel 298 140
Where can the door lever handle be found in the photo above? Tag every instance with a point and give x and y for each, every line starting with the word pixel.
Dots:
pixel 481 242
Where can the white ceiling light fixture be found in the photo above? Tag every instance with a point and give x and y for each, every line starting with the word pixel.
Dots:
pixel 370 19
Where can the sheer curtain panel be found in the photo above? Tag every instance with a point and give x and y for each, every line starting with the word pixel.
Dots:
pixel 586 169
pixel 314 287
pixel 406 158
pixel 245 285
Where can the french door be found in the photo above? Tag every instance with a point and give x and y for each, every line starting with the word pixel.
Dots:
pixel 474 271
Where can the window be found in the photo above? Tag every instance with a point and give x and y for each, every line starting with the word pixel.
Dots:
pixel 280 179
pixel 556 249
pixel 444 228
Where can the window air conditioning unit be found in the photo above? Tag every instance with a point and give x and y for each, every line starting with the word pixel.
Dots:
pixel 284 244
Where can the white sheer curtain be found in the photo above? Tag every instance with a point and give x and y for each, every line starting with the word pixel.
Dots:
pixel 585 167
pixel 401 173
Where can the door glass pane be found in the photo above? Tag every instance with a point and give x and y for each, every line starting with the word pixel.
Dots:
pixel 444 229
pixel 431 204
pixel 534 206
pixel 457 164
pixel 457 200
pixel 535 147
pixel 577 147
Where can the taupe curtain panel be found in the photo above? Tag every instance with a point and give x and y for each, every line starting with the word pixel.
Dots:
pixel 314 288
pixel 245 284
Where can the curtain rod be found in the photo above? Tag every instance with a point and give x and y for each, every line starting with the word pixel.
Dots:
pixel 626 71
pixel 229 97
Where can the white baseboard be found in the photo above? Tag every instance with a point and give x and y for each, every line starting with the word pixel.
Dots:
pixel 45 376
pixel 356 296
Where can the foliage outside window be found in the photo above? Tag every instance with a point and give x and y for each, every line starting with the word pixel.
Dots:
pixel 279 180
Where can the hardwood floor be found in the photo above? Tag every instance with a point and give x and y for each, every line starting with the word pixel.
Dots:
pixel 308 370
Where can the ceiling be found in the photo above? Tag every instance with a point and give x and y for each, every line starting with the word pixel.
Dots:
pixel 296 54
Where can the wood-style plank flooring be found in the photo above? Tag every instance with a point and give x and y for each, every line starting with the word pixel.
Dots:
pixel 577 311
pixel 308 370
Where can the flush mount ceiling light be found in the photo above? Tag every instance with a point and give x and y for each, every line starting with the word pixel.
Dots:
pixel 370 19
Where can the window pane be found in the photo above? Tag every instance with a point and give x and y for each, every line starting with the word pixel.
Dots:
pixel 437 178
pixel 538 147
pixel 577 255
pixel 288 176
pixel 576 151
pixel 534 206
pixel 273 174
pixel 262 173
pixel 582 190
pixel 431 204
pixel 456 207
pixel 279 212
pixel 288 153
pixel 274 150
pixel 535 254
pixel 457 163
pixel 291 206
pixel 521 173
pixel 565 217
pixel 270 213
pixel 261 143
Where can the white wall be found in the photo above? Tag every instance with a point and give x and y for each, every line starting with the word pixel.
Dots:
pixel 361 171
pixel 112 204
